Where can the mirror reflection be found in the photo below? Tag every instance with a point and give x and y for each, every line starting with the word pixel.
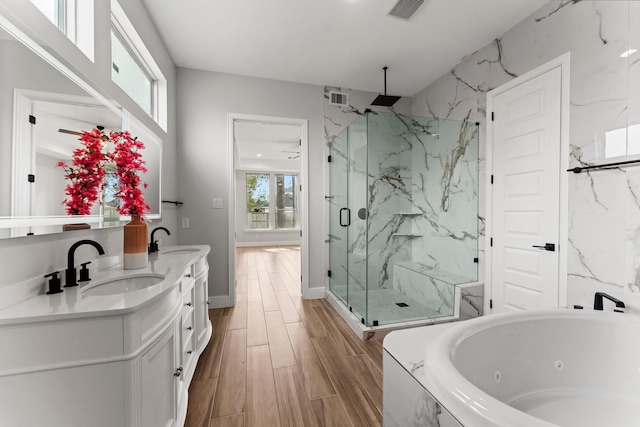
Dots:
pixel 42 113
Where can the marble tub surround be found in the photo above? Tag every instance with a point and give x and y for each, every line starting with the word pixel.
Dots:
pixel 604 209
pixel 33 305
pixel 406 401
pixel 524 368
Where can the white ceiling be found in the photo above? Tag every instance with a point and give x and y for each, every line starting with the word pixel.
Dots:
pixel 265 144
pixel 342 43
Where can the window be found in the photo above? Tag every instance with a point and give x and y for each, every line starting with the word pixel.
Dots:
pixel 129 74
pixel 134 69
pixel 272 201
pixel 74 18
pixel 286 213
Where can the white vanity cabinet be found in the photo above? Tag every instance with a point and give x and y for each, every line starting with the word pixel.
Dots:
pixel 159 384
pixel 71 360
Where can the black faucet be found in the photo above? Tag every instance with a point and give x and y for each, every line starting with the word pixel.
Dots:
pixel 70 272
pixel 153 244
pixel 597 302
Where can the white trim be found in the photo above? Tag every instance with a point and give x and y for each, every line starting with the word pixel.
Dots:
pixel 303 208
pixel 268 243
pixel 231 209
pixel 316 293
pixel 122 24
pixel 220 301
pixel 272 230
pixel 564 62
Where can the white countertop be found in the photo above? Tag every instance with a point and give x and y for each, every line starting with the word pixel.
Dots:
pixel 74 303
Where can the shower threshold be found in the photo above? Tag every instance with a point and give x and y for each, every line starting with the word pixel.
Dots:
pixel 468 301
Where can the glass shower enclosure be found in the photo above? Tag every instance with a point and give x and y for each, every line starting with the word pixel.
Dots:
pixel 403 216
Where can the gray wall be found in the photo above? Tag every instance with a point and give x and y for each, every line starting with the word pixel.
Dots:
pixel 205 100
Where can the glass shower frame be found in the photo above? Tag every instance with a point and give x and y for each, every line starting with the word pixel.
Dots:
pixel 376 226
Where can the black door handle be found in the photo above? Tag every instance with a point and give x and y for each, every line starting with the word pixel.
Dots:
pixel 551 247
pixel 348 223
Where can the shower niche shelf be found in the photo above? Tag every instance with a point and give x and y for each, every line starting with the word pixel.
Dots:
pixel 407 235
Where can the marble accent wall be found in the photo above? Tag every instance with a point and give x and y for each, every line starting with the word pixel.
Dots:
pixel 604 206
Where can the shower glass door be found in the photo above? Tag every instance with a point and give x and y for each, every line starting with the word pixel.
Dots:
pixel 338 231
pixel 357 235
pixel 347 217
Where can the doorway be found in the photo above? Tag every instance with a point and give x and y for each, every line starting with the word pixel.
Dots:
pixel 527 152
pixel 268 188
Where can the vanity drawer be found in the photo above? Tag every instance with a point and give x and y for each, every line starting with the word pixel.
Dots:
pixel 38 346
pixel 200 266
pixel 188 322
pixel 189 351
pixel 188 297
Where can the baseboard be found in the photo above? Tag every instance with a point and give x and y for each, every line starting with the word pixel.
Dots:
pixel 273 243
pixel 315 293
pixel 219 301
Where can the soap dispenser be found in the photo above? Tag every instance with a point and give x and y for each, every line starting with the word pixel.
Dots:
pixel 54 283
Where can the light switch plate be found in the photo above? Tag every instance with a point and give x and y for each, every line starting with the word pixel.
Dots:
pixel 216 203
pixel 185 222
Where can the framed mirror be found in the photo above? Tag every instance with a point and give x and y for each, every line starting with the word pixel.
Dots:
pixel 44 107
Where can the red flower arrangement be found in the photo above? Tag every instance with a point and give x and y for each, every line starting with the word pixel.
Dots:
pixel 128 160
pixel 86 173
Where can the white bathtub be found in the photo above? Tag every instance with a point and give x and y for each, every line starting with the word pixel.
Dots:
pixel 544 368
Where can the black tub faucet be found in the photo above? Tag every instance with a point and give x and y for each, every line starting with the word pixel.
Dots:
pixel 70 272
pixel 153 244
pixel 598 300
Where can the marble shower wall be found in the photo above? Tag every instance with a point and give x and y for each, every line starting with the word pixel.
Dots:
pixel 604 206
pixel 445 193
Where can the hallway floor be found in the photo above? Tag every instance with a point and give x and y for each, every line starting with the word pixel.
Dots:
pixel 278 360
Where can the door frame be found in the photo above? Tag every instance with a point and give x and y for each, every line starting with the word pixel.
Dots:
pixel 564 62
pixel 303 216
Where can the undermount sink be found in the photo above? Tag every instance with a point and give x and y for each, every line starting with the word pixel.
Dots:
pixel 179 251
pixel 123 285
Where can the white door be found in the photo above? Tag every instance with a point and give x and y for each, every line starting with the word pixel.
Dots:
pixel 526 194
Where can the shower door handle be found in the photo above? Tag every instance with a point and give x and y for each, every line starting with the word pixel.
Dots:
pixel 348 211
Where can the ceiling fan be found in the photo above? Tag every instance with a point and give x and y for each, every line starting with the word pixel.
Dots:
pixel 293 150
pixel 73 132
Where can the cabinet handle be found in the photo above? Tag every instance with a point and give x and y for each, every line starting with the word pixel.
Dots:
pixel 178 372
pixel 188 304
pixel 189 328
pixel 189 352
pixel 187 275
pixel 208 302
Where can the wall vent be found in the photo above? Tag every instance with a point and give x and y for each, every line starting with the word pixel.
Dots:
pixel 339 99
pixel 405 9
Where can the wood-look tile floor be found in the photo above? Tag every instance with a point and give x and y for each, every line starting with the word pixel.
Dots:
pixel 278 360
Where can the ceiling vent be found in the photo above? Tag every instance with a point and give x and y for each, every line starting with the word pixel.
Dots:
pixel 338 99
pixel 405 9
